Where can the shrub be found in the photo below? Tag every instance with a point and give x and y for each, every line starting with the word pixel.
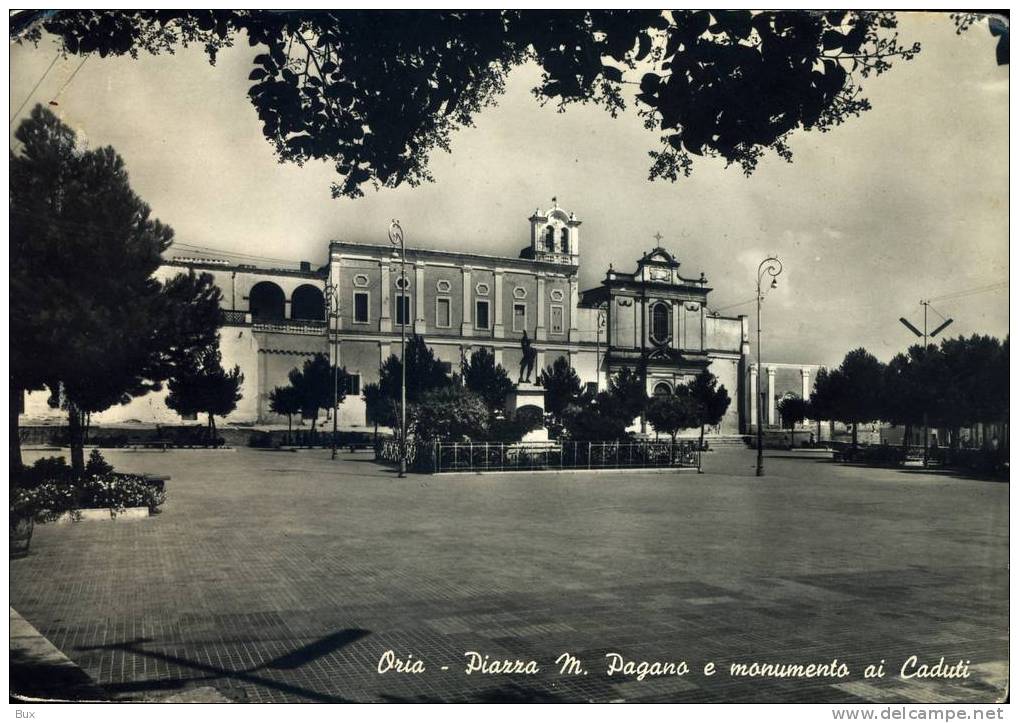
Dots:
pixel 97 465
pixel 46 490
pixel 450 414
pixel 47 469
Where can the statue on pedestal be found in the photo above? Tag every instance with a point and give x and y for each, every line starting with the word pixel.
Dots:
pixel 527 360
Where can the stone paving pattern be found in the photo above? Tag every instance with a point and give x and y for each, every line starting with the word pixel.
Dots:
pixel 274 576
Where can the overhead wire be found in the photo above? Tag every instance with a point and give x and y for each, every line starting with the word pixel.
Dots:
pixel 35 87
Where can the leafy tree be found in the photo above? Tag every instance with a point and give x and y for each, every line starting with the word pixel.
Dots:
pixel 562 386
pixel 628 391
pixel 712 400
pixel 316 385
pixel 424 372
pixel 908 392
pixel 285 401
pixel 823 397
pixel 380 409
pixel 88 319
pixel 450 413
pixel 204 387
pixel 487 379
pixel 858 387
pixel 671 413
pixel 725 84
pixel 792 410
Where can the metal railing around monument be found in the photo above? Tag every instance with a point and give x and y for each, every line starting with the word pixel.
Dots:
pixel 567 455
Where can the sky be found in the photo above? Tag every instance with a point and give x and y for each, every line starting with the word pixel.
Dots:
pixel 907 202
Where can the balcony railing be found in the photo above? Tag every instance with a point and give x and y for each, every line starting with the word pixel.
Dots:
pixel 311 327
pixel 233 317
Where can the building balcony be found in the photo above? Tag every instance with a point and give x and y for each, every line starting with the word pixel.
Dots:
pixel 310 327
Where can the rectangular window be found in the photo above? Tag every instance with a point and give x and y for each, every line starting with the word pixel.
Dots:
pixel 403 310
pixel 442 306
pixel 556 319
pixel 353 385
pixel 519 317
pixel 480 314
pixel 360 307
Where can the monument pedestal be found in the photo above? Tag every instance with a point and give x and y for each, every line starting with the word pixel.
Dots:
pixel 526 394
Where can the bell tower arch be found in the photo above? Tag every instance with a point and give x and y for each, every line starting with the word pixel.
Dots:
pixel 555 236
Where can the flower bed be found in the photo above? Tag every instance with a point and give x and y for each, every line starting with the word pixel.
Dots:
pixel 46 491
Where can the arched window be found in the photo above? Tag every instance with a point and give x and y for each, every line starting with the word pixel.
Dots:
pixel 660 323
pixel 550 238
pixel 565 240
pixel 662 389
pixel 307 303
pixel 266 302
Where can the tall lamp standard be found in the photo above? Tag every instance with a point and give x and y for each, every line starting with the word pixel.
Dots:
pixel 773 267
pixel 396 238
pixel 333 311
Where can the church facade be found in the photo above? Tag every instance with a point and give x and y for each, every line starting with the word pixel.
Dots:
pixel 654 318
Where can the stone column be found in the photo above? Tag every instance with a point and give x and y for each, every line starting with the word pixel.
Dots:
pixel 574 304
pixel 383 353
pixel 466 328
pixel 497 353
pixel 539 364
pixel 419 298
pixel 335 264
pixel 771 396
pixel 703 327
pixel 805 384
pixel 498 330
pixel 539 332
pixel 677 312
pixel 753 395
pixel 385 320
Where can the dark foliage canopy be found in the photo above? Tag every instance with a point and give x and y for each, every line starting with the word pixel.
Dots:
pixel 316 383
pixel 712 400
pixel 672 413
pixel 791 410
pixel 488 380
pixel 562 387
pixel 88 317
pixel 375 92
pixel 424 372
pixel 205 387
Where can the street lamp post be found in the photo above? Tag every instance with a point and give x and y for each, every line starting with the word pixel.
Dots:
pixel 333 311
pixel 773 267
pixel 396 238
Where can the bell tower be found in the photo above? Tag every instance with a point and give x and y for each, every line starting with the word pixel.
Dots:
pixel 555 236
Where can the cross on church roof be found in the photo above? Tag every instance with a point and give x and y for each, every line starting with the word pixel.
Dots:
pixel 658 237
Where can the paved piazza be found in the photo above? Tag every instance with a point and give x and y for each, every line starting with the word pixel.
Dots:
pixel 276 576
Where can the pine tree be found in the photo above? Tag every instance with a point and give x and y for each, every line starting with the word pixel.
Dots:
pixel 88 319
pixel 285 401
pixel 562 387
pixel 487 379
pixel 204 387
pixel 316 383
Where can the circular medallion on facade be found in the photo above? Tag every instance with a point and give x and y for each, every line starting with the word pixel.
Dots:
pixel 482 289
